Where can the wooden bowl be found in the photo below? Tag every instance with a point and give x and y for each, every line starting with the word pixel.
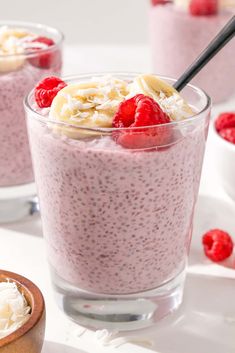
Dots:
pixel 30 336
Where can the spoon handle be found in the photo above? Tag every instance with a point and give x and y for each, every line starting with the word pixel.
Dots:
pixel 223 37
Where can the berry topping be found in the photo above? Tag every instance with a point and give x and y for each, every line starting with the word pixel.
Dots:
pixel 218 245
pixel 43 40
pixel 159 2
pixel 203 7
pixel 228 134
pixel 138 111
pixel 44 60
pixel 47 89
pixel 225 121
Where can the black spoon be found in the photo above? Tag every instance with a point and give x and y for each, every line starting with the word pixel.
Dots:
pixel 222 38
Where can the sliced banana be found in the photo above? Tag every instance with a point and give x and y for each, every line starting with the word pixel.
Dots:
pixel 6 33
pixel 89 105
pixel 184 4
pixel 168 98
pixel 10 50
pixel 227 4
pixel 10 62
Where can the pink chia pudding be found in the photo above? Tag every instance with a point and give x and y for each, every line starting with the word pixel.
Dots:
pixel 178 36
pixel 116 219
pixel 24 61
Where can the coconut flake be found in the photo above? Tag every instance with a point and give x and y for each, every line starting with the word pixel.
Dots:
pixel 111 338
pixel 109 104
pixel 173 106
pixel 14 309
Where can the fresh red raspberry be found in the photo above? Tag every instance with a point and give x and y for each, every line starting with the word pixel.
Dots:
pixel 225 121
pixel 228 134
pixel 47 89
pixel 44 60
pixel 159 2
pixel 138 111
pixel 44 40
pixel 203 7
pixel 218 245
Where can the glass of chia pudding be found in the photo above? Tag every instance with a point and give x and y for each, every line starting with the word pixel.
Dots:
pixel 117 162
pixel 28 52
pixel 181 29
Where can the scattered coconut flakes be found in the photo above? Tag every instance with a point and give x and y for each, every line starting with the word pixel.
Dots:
pixel 110 338
pixel 99 116
pixel 107 96
pixel 105 336
pixel 109 104
pixel 74 104
pixel 17 45
pixel 87 92
pixel 173 106
pixel 14 309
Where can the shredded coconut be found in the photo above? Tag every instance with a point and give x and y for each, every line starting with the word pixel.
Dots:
pixel 14 309
pixel 173 106
pixel 109 104
pixel 111 338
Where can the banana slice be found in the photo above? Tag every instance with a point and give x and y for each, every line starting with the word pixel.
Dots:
pixel 10 50
pixel 89 105
pixel 184 4
pixel 168 98
pixel 6 33
pixel 227 4
pixel 10 62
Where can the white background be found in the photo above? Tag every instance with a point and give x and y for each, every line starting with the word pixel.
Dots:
pixel 85 21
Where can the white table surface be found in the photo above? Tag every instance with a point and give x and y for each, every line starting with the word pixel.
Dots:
pixel 22 249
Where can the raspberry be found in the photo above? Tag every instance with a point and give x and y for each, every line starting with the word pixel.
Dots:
pixel 44 40
pixel 159 2
pixel 47 89
pixel 44 60
pixel 203 7
pixel 224 121
pixel 218 245
pixel 228 134
pixel 138 111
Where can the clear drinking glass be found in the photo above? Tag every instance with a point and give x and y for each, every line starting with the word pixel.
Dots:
pixel 117 221
pixel 18 74
pixel 177 37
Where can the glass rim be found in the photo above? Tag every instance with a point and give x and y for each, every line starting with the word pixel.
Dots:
pixel 186 121
pixel 35 25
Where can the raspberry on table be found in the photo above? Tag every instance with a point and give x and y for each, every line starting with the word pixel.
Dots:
pixel 224 121
pixel 203 7
pixel 47 89
pixel 44 60
pixel 218 245
pixel 139 111
pixel 228 134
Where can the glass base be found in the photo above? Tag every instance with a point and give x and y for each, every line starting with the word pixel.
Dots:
pixel 118 312
pixel 18 202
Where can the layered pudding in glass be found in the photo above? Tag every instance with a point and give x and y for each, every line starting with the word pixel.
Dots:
pixel 28 52
pixel 180 30
pixel 117 161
